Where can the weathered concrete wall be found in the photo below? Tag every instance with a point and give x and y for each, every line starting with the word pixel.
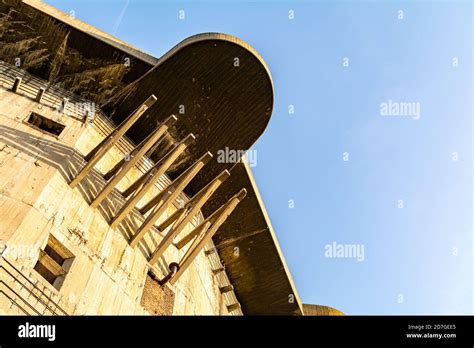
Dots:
pixel 107 275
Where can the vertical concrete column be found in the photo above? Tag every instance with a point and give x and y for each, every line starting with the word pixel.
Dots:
pixel 100 150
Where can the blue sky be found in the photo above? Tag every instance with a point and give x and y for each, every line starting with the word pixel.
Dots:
pixel 417 259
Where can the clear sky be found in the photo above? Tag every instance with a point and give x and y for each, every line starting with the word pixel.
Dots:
pixel 338 170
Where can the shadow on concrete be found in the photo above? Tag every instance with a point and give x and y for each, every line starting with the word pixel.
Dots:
pixel 68 161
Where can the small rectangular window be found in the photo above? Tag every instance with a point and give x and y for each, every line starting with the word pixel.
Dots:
pixel 54 262
pixel 45 124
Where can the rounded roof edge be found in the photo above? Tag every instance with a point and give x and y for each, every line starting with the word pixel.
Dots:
pixel 222 37
pixel 241 105
pixel 313 309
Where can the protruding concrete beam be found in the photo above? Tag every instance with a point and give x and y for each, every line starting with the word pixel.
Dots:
pixel 115 169
pixel 140 110
pixel 227 288
pixel 121 163
pixel 196 203
pixel 137 183
pixel 207 233
pixel 134 159
pixel 16 85
pixel 85 117
pixel 159 197
pixel 64 104
pixel 39 95
pixel 133 187
pixel 100 150
pixel 165 224
pixel 190 236
pixel 161 202
pixel 233 307
pixel 159 169
pixel 218 270
pixel 173 217
pixel 183 242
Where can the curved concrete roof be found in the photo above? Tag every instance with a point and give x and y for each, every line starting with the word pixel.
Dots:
pixel 311 309
pixel 224 105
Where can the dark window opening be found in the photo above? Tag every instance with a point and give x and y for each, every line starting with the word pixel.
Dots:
pixel 54 262
pixel 45 273
pixel 45 124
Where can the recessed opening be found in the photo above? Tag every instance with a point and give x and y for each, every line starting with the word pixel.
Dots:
pixel 54 262
pixel 45 124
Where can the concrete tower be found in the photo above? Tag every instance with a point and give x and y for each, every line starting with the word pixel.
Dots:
pixel 121 185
